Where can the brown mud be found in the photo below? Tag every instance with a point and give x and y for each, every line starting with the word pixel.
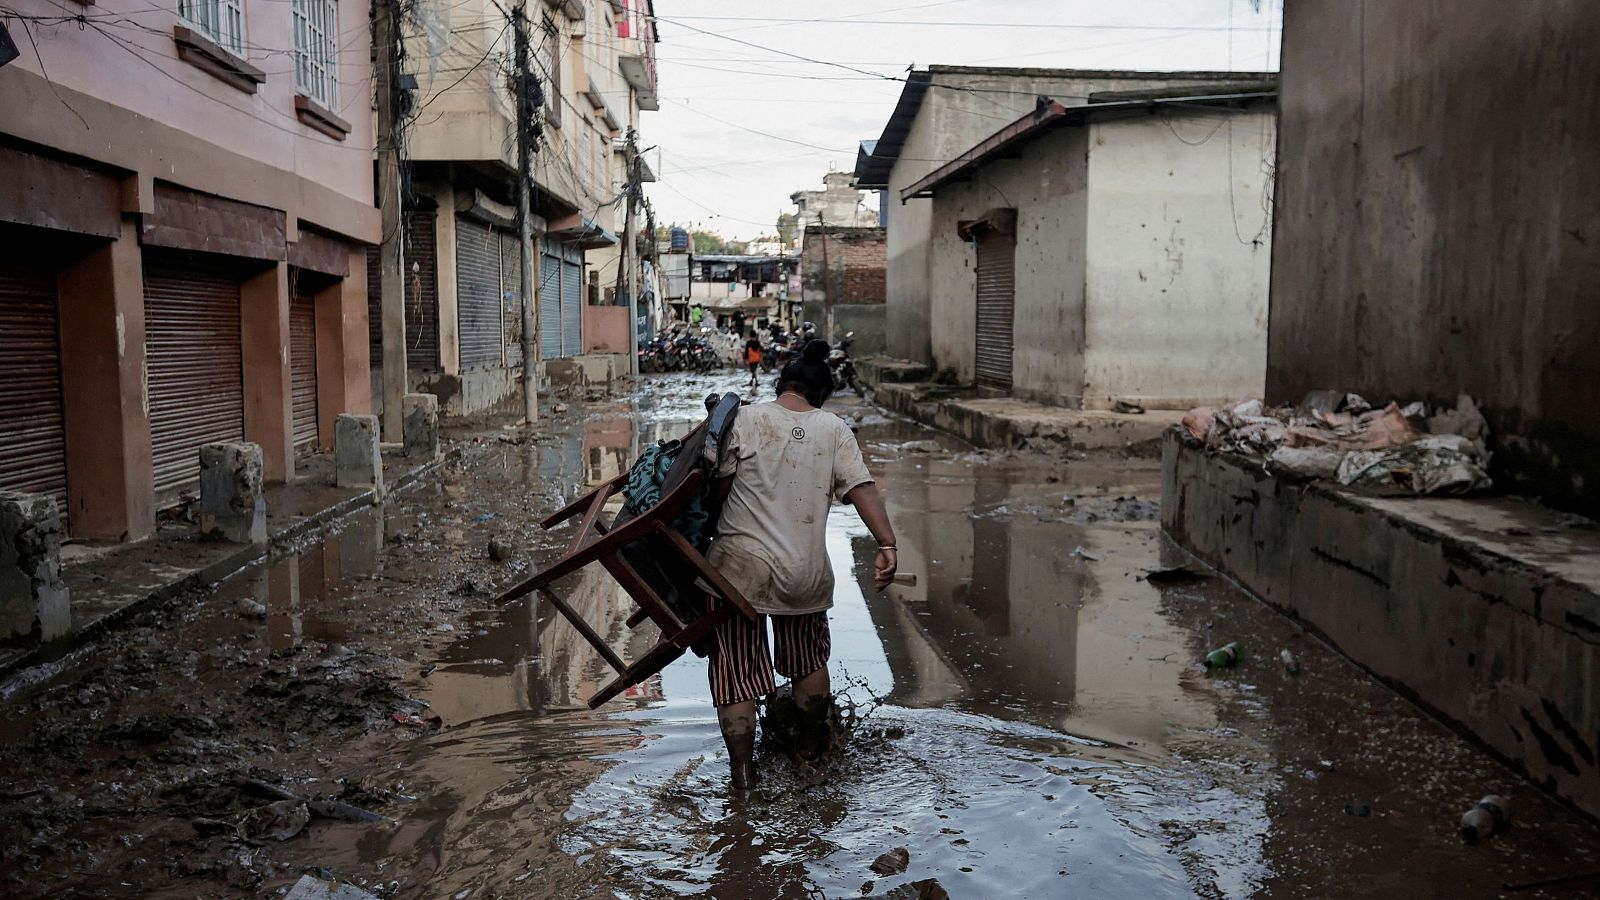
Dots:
pixel 1036 721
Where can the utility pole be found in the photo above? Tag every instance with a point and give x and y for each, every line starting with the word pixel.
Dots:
pixel 827 276
pixel 628 275
pixel 391 254
pixel 528 260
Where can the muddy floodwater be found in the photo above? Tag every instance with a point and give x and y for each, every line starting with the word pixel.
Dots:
pixel 1036 721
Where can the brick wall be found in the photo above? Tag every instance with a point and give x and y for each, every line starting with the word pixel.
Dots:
pixel 855 263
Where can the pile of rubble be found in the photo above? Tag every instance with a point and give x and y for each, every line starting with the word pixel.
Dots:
pixel 1341 437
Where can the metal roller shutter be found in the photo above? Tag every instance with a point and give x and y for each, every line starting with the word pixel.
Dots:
pixel 997 252
pixel 33 451
pixel 303 368
pixel 478 292
pixel 422 292
pixel 571 301
pixel 192 352
pixel 511 296
pixel 374 312
pixel 549 305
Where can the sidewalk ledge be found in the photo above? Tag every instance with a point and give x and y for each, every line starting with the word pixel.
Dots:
pixel 1484 610
pixel 1005 423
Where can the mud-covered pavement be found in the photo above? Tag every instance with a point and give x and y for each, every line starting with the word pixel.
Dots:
pixel 1039 725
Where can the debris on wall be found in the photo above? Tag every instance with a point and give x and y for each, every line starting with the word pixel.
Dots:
pixel 1339 437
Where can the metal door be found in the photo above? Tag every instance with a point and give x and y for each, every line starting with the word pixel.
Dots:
pixel 303 368
pixel 33 450
pixel 478 292
pixel 511 296
pixel 421 293
pixel 996 307
pixel 192 352
pixel 571 301
pixel 549 304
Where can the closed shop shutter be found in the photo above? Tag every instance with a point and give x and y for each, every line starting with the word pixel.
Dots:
pixel 33 442
pixel 422 293
pixel 192 352
pixel 478 292
pixel 511 296
pixel 303 368
pixel 571 301
pixel 374 312
pixel 549 305
pixel 997 252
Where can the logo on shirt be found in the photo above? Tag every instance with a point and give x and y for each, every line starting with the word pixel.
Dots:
pixel 798 433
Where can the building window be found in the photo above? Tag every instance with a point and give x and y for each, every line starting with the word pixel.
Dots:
pixel 316 50
pixel 220 20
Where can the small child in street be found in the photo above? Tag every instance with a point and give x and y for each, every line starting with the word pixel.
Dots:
pixel 752 358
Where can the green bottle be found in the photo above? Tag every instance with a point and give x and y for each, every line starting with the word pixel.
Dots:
pixel 1223 656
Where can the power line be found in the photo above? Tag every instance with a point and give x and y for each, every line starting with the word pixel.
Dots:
pixel 905 22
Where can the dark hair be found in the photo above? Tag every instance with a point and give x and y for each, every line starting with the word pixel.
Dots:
pixel 809 375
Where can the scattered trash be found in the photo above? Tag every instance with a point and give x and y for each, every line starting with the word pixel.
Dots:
pixel 312 888
pixel 432 720
pixel 1127 407
pixel 921 447
pixel 1080 551
pixel 205 827
pixel 1290 664
pixel 499 550
pixel 1484 819
pixel 560 408
pixel 250 609
pixel 1223 657
pixel 892 862
pixel 280 821
pixel 1176 575
pixel 326 809
pixel 906 579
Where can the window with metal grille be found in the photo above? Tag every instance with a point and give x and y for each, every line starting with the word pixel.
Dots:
pixel 220 20
pixel 316 50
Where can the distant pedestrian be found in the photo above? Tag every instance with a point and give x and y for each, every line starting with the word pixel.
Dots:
pixel 695 315
pixel 752 358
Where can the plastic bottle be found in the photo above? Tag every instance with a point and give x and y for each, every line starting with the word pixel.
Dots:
pixel 1223 656
pixel 1484 819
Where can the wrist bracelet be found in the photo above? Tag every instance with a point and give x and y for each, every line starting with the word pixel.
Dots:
pixel 890 547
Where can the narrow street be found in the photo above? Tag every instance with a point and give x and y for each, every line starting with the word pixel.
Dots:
pixel 1035 720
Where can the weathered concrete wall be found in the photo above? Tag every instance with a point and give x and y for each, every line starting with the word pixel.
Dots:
pixel 852 270
pixel 1179 258
pixel 1046 185
pixel 1437 226
pixel 1498 634
pixel 605 329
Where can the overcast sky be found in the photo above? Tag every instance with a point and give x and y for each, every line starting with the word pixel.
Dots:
pixel 742 126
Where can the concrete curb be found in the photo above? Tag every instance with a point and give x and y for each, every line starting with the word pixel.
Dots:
pixel 1004 423
pixel 246 555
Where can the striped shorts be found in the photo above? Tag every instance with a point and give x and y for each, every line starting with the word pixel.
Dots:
pixel 741 665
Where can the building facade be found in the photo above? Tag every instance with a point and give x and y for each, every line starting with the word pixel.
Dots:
pixel 182 234
pixel 841 275
pixel 1459 249
pixel 838 203
pixel 942 112
pixel 595 61
pixel 1113 251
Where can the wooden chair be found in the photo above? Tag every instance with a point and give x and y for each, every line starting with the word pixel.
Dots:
pixel 665 574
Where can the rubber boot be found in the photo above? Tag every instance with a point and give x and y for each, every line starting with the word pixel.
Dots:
pixel 816 728
pixel 739 733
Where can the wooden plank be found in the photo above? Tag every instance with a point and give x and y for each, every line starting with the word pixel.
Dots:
pixel 659 657
pixel 580 504
pixel 595 640
pixel 710 573
pixel 589 518
pixel 643 594
pixel 570 563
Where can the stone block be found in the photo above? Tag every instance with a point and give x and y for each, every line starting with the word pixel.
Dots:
pixel 232 505
pixel 34 602
pixel 357 459
pixel 420 414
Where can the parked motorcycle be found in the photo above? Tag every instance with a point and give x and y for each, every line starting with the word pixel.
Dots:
pixel 843 368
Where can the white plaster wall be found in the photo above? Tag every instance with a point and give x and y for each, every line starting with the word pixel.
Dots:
pixel 1179 251
pixel 1046 185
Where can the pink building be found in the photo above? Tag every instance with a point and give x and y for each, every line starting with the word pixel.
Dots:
pixel 186 197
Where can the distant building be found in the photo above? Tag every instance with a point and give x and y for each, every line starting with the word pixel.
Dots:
pixel 758 286
pixel 1117 250
pixel 841 273
pixel 943 111
pixel 838 203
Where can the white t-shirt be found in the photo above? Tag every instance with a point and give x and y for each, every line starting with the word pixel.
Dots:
pixel 787 468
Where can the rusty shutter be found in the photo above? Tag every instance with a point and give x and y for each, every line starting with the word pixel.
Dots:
pixel 997 252
pixel 192 352
pixel 303 368
pixel 33 451
pixel 478 292
pixel 511 296
pixel 422 293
